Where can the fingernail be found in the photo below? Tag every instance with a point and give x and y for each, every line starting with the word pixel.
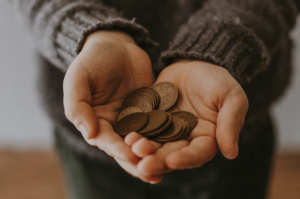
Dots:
pixel 156 181
pixel 82 128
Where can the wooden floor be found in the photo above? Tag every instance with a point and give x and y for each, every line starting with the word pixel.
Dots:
pixel 37 175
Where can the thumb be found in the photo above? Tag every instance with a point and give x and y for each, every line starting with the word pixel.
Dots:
pixel 230 122
pixel 77 100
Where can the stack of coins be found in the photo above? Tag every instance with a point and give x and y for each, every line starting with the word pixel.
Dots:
pixel 144 111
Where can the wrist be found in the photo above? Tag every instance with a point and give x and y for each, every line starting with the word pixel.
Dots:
pixel 110 35
pixel 181 60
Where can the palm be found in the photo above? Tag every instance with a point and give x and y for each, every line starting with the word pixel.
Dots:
pixel 108 68
pixel 218 102
pixel 199 94
pixel 113 83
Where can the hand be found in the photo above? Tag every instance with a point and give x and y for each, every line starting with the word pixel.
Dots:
pixel 220 104
pixel 108 68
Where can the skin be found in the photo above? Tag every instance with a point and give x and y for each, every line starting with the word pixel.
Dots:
pixel 111 65
pixel 220 104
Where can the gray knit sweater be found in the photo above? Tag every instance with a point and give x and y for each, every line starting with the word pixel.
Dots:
pixel 250 38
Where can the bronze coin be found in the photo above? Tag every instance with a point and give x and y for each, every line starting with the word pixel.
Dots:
pixel 186 116
pixel 187 130
pixel 184 133
pixel 156 120
pixel 131 123
pixel 128 111
pixel 144 95
pixel 168 94
pixel 175 129
pixel 150 93
pixel 140 102
pixel 155 96
pixel 163 127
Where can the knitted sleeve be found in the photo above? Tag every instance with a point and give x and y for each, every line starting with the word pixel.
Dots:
pixel 60 27
pixel 239 35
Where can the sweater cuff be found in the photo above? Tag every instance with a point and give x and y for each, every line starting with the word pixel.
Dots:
pixel 75 28
pixel 229 45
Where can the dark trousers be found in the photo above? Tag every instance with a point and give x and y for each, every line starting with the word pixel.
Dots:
pixel 243 178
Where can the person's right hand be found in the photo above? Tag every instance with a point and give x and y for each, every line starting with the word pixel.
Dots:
pixel 108 68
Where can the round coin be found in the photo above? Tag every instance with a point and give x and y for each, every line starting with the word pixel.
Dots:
pixel 130 123
pixel 184 133
pixel 140 102
pixel 128 111
pixel 187 117
pixel 168 94
pixel 156 120
pixel 175 129
pixel 162 128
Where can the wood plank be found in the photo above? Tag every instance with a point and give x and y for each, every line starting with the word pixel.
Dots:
pixel 37 175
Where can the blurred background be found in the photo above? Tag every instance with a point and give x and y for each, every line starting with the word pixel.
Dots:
pixel 26 154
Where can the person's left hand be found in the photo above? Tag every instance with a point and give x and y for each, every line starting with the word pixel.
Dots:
pixel 220 105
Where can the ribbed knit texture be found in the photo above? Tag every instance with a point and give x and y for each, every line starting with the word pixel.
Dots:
pixel 250 38
pixel 61 26
pixel 240 36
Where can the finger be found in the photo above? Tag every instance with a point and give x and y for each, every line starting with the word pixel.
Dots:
pixel 229 124
pixel 110 142
pixel 132 170
pixel 144 147
pixel 129 168
pixel 77 100
pixel 153 179
pixel 155 164
pixel 200 150
pixel 157 179
pixel 132 138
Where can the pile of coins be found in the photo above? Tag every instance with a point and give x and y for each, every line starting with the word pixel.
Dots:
pixel 144 112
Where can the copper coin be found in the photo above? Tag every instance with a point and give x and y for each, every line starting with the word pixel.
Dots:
pixel 150 93
pixel 163 127
pixel 140 102
pixel 168 95
pixel 184 133
pixel 156 120
pixel 144 95
pixel 175 129
pixel 187 130
pixel 130 123
pixel 128 111
pixel 156 96
pixel 186 116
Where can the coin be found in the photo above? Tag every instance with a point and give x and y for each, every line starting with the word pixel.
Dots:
pixel 168 95
pixel 184 133
pixel 162 128
pixel 158 124
pixel 187 130
pixel 145 98
pixel 130 123
pixel 150 93
pixel 140 102
pixel 156 120
pixel 175 129
pixel 186 116
pixel 128 111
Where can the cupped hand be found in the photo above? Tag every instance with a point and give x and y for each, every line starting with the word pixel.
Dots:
pixel 220 105
pixel 108 68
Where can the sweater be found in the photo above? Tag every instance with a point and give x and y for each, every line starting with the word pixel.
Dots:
pixel 248 38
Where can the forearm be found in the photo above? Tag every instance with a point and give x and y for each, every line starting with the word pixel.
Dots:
pixel 241 36
pixel 60 27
